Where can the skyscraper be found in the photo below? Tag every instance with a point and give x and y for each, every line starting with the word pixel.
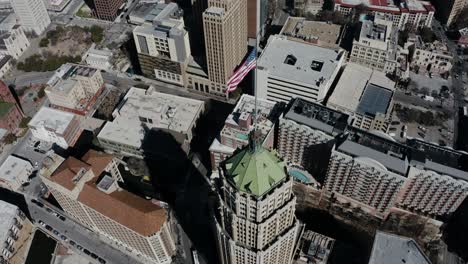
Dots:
pixel 449 10
pixel 255 221
pixel 225 26
pixel 32 14
pixel 105 9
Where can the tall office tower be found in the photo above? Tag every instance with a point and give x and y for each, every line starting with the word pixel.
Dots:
pixel 105 9
pixel 163 44
pixel 254 219
pixel 259 17
pixel 448 10
pixel 225 26
pixel 32 14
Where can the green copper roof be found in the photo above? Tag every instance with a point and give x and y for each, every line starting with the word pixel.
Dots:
pixel 255 172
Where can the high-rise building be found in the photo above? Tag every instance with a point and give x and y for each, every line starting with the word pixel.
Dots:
pixel 163 44
pixel 288 69
pixel 105 9
pixel 225 26
pixel 254 219
pixel 87 189
pixel 449 10
pixel 32 14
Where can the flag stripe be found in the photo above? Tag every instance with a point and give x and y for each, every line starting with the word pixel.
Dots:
pixel 249 64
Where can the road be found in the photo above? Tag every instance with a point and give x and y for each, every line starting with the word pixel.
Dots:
pixel 400 96
pixel 29 78
pixel 80 235
pixel 457 83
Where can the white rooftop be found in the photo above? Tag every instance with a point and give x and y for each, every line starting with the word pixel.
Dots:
pixel 153 109
pixel 8 213
pixel 13 167
pixel 393 249
pixel 51 119
pixel 353 81
pixel 306 56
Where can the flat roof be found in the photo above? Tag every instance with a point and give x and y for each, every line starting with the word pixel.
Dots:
pixel 51 119
pixel 5 108
pixel 393 249
pixel 8 213
pixel 317 32
pixel 349 90
pixel 152 109
pixel 298 61
pixel 13 167
pixel 317 116
pixel 416 6
pixel 374 100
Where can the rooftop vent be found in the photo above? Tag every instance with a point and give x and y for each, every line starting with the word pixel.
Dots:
pixel 290 60
pixel 316 65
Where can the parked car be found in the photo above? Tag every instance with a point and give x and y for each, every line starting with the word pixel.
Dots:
pixel 56 232
pixel 71 242
pixel 63 238
pixel 49 210
pixel 48 227
pixel 79 247
pixel 404 128
pixel 101 260
pixel 62 218
pixel 41 223
pixel 94 256
pixel 87 252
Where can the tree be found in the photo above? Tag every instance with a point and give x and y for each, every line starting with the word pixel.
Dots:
pixel 434 93
pixel 24 122
pixel 427 35
pixel 403 37
pixel 9 139
pixel 424 91
pixel 44 43
pixel 41 92
pixel 97 33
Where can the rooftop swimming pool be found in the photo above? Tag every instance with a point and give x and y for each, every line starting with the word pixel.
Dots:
pixel 300 176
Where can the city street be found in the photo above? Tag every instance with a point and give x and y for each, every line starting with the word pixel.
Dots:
pixel 78 234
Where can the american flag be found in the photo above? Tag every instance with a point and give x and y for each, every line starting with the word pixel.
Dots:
pixel 249 64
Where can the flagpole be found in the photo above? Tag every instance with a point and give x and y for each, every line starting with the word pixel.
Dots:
pixel 257 33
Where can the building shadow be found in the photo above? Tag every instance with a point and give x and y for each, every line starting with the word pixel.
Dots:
pixel 176 181
pixel 454 234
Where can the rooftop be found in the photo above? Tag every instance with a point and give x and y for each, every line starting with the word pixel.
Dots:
pixel 316 32
pixel 52 119
pixel 7 214
pixel 146 218
pixel 142 108
pixel 374 100
pixel 351 88
pixel 393 249
pixel 256 171
pixel 5 108
pixel 374 31
pixel 298 61
pixel 359 143
pixel 244 111
pixel 13 167
pixel 317 116
pixel 63 79
pixel 150 12
pixel 413 6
